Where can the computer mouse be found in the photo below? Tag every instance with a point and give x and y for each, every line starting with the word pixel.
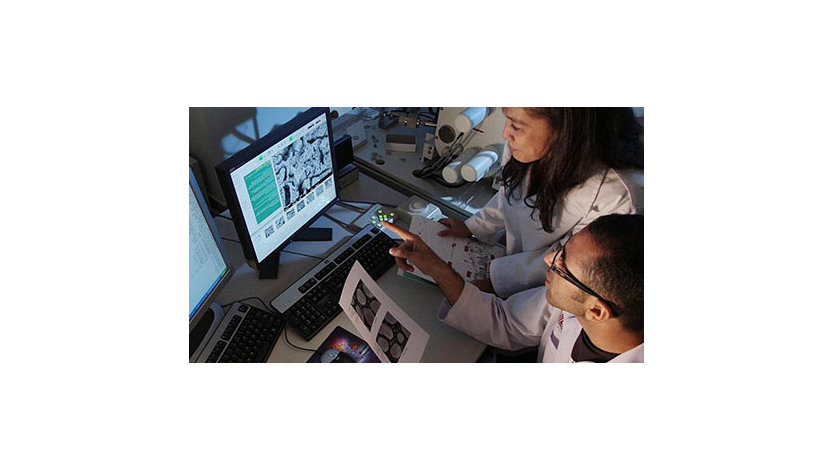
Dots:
pixel 329 356
pixel 332 355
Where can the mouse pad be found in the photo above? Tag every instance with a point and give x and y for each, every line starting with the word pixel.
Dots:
pixel 343 346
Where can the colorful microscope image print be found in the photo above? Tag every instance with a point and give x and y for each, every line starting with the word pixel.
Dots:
pixel 343 346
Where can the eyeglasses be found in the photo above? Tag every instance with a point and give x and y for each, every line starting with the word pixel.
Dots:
pixel 559 254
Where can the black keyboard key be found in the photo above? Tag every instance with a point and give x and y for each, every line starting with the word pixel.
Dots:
pixel 345 254
pixel 252 337
pixel 361 241
pixel 323 272
pixel 320 304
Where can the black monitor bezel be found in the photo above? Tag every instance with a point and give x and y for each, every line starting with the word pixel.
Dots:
pixel 224 173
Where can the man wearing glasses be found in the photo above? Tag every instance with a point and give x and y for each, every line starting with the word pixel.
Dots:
pixel 589 310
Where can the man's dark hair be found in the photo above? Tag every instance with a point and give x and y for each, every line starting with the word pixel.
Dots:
pixel 586 139
pixel 617 273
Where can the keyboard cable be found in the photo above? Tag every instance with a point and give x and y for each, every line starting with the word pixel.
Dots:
pixel 244 300
pixel 287 338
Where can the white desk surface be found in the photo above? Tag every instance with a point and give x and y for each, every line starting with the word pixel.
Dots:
pixel 420 301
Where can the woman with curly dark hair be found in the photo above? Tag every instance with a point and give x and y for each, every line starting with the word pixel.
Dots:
pixel 562 169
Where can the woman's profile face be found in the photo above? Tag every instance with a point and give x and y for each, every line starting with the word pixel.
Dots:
pixel 528 136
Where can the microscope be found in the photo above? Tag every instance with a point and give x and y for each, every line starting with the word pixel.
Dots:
pixel 466 146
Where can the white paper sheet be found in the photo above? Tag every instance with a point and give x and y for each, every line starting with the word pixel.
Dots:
pixel 393 335
pixel 467 256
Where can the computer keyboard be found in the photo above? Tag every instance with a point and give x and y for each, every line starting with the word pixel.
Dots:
pixel 247 334
pixel 310 303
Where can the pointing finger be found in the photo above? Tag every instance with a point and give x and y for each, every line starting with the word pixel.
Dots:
pixel 401 232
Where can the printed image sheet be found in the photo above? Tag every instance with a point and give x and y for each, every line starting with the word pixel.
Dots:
pixel 393 335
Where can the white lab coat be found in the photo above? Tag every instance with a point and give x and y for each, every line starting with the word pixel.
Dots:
pixel 606 192
pixel 523 320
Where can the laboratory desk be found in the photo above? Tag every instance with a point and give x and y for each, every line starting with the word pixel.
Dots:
pixel 420 301
pixel 395 169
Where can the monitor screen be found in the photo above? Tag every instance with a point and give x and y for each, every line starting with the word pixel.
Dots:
pixel 279 184
pixel 208 265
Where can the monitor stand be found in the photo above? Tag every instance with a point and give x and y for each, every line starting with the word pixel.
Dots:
pixel 268 268
pixel 314 234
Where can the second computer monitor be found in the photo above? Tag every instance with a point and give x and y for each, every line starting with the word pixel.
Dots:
pixel 279 185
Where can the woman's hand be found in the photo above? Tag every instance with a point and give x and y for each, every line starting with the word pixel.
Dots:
pixel 456 228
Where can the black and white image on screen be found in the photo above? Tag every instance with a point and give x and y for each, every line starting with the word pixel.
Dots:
pixel 302 165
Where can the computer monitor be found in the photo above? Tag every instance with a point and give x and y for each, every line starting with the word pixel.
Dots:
pixel 279 185
pixel 209 269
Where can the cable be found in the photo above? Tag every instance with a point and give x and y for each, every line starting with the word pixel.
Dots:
pixel 248 298
pixel 452 152
pixel 442 160
pixel 339 223
pixel 287 338
pixel 283 251
pixel 371 203
pixel 302 254
pixel 360 210
pixel 433 167
pixel 271 309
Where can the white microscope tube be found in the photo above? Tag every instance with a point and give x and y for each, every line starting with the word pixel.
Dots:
pixel 477 166
pixel 452 171
pixel 469 118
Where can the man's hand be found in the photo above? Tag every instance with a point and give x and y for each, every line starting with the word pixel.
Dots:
pixel 415 251
pixel 485 285
pixel 456 228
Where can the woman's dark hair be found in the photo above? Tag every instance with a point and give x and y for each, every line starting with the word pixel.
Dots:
pixel 586 139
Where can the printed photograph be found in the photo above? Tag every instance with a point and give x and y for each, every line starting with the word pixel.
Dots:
pixel 365 304
pixel 392 337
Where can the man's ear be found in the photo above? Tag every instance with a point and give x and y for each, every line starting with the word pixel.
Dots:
pixel 597 311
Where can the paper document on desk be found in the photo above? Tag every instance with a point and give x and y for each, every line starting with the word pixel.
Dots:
pixel 467 256
pixel 393 335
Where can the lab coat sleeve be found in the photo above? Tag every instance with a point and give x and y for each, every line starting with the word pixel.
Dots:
pixel 519 271
pixel 488 223
pixel 513 273
pixel 511 324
